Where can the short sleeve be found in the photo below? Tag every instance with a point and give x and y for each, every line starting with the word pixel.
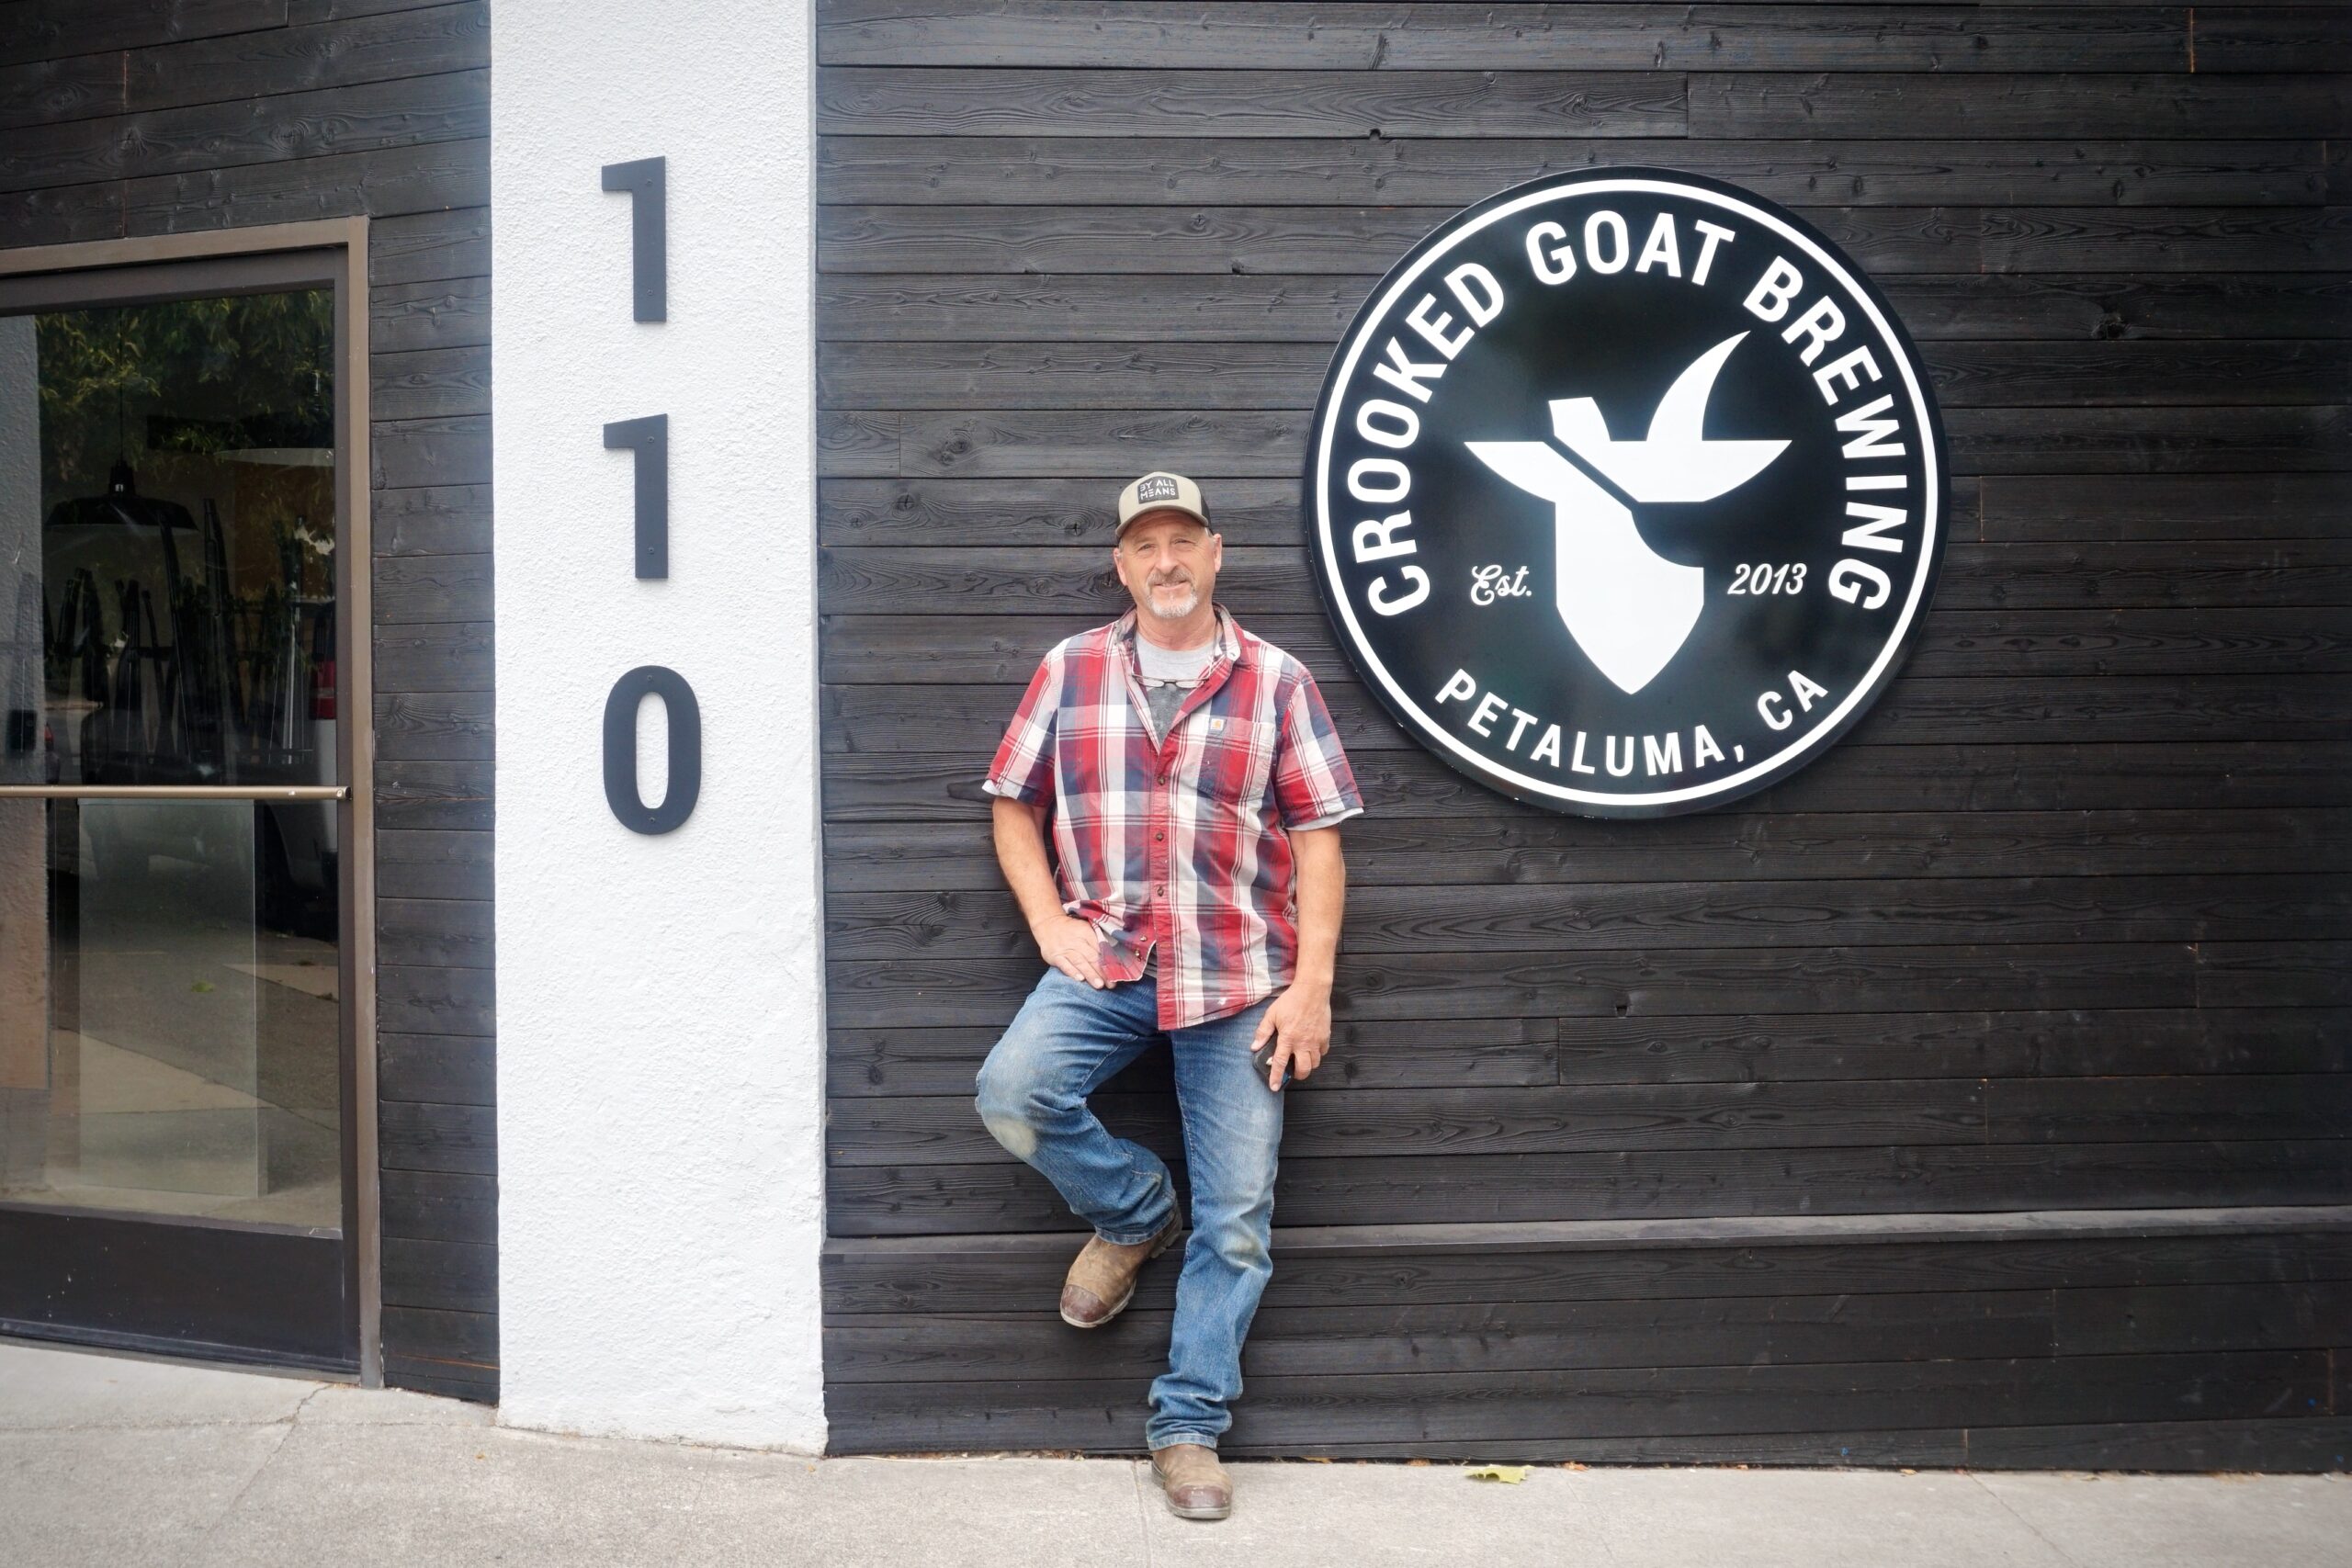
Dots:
pixel 1314 787
pixel 1024 767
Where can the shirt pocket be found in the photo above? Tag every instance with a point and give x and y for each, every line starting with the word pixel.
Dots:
pixel 1237 760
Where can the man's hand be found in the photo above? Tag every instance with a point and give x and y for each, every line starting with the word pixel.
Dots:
pixel 1070 946
pixel 1299 1023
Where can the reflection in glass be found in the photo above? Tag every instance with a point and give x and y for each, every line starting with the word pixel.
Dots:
pixel 169 588
pixel 170 969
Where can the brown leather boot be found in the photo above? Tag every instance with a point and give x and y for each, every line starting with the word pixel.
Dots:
pixel 1105 1272
pixel 1194 1484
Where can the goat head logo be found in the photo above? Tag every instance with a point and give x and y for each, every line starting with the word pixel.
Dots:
pixel 1629 608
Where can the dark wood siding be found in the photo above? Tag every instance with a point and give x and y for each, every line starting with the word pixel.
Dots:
pixel 1979 1095
pixel 155 117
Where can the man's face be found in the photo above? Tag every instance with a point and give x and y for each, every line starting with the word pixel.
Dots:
pixel 1169 563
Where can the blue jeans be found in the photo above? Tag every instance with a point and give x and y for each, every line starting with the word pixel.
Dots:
pixel 1067 1040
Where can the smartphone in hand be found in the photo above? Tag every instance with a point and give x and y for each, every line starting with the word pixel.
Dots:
pixel 1264 1056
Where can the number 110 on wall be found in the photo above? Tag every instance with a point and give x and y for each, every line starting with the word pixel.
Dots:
pixel 647 439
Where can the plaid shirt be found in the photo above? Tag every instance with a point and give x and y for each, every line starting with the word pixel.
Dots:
pixel 1180 842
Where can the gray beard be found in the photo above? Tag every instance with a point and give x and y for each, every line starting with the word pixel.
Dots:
pixel 1191 603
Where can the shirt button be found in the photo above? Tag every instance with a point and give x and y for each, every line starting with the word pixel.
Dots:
pixel 1159 836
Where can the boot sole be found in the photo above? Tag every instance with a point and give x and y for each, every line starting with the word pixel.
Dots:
pixel 1199 1513
pixel 1167 1239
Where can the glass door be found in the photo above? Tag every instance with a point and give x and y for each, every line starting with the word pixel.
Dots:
pixel 175 1021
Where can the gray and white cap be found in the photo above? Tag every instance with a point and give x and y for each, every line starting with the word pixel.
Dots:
pixel 1160 491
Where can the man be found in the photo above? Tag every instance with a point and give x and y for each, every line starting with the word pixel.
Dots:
pixel 1192 784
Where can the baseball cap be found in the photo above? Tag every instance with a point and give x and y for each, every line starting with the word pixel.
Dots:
pixel 1160 490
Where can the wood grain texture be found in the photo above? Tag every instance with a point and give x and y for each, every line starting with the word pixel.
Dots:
pixel 2156 106
pixel 1107 444
pixel 1284 1413
pixel 928 512
pixel 886 102
pixel 991 584
pixel 1512 1190
pixel 2216 784
pixel 1914 711
pixel 57 29
pixel 1088 33
pixel 1366 239
pixel 1186 374
pixel 1080 309
pixel 1809 1253
pixel 205 136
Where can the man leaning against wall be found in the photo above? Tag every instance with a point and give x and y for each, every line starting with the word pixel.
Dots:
pixel 1191 785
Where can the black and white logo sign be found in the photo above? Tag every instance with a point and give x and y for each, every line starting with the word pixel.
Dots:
pixel 1155 488
pixel 1626 492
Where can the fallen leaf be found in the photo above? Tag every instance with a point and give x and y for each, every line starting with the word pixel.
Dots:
pixel 201 987
pixel 1509 1474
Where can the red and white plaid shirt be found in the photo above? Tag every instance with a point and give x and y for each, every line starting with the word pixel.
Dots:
pixel 1182 842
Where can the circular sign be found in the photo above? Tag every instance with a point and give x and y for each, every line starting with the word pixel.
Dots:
pixel 1626 492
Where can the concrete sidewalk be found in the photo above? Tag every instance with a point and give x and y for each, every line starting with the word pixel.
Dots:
pixel 115 1460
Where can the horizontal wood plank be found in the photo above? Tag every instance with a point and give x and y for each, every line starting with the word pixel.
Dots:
pixel 1485 1338
pixel 418 1136
pixel 49 30
pixel 1307 1413
pixel 2295 639
pixel 1983 1044
pixel 444 1276
pixel 1790 1255
pixel 1077 310
pixel 423 1205
pixel 1113 239
pixel 432 794
pixel 1183 373
pixel 444 313
pixel 1659 913
pixel 426 246
pixel 885 101
pixel 1665 982
pixel 1914 711
pixel 1885 104
pixel 1540 848
pixel 2218 779
pixel 1074 443
pixel 996 584
pixel 938 513
pixel 994 1199
pixel 436 724
pixel 201 138
pixel 1073 34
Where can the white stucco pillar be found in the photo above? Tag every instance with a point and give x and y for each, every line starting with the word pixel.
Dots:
pixel 660 1005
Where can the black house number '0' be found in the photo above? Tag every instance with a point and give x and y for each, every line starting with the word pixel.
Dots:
pixel 646 181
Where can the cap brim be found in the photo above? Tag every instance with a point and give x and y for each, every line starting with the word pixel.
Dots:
pixel 1160 506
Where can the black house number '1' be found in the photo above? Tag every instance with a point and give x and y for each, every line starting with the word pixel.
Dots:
pixel 647 438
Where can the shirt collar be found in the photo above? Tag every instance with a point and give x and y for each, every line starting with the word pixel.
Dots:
pixel 1228 643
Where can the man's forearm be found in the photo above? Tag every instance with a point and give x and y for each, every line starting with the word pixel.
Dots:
pixel 1322 894
pixel 1021 852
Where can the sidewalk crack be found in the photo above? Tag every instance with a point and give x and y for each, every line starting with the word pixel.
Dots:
pixel 1143 1517
pixel 285 1431
pixel 2063 1556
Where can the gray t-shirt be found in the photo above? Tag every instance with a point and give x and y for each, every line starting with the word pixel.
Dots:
pixel 1169 675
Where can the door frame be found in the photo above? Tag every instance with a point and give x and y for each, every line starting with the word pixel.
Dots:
pixel 355 736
